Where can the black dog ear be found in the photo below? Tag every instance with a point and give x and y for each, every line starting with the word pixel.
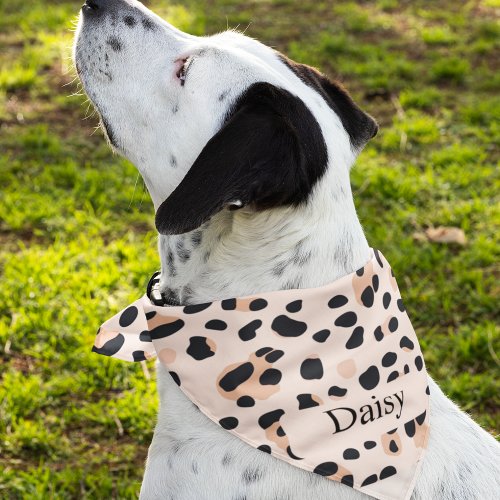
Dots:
pixel 269 152
pixel 360 126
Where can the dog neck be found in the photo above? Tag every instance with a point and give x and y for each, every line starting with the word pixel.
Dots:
pixel 242 252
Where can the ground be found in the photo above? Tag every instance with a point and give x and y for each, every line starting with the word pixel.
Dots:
pixel 77 241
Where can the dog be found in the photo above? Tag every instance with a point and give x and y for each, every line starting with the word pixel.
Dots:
pixel 246 155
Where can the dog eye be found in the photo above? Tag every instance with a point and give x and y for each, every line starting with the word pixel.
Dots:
pixel 182 73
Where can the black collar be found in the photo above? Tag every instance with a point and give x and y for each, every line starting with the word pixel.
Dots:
pixel 156 296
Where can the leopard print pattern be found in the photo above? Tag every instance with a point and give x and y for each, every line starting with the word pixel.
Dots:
pixel 329 379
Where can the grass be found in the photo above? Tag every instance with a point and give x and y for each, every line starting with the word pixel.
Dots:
pixel 76 229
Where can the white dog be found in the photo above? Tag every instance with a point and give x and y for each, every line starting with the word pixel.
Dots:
pixel 234 222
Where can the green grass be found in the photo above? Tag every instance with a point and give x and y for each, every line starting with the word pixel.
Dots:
pixel 77 241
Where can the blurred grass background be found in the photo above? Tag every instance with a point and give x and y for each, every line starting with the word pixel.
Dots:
pixel 77 240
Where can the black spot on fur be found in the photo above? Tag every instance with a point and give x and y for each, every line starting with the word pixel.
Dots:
pixel 114 43
pixel 130 21
pixel 173 161
pixel 223 95
pixel 288 327
pixel 148 24
pixel 359 126
pixel 251 475
pixel 196 240
pixel 248 332
pixel 231 380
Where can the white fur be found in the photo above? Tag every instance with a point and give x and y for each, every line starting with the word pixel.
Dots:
pixel 155 119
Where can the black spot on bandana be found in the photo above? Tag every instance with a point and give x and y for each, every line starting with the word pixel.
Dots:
pixel 258 304
pixel 337 301
pixel 235 377
pixel 370 480
pixel 321 336
pixel 248 332
pixel 271 376
pixel 144 336
pixel 245 402
pixel 326 469
pixel 270 418
pixel 410 428
pixel 379 334
pixel 216 324
pixel 370 378
pixel 306 401
pixel 348 480
pixel 387 472
pixel 228 304
pixel 294 306
pixel 265 448
pixel 421 418
pixel 389 359
pixel 196 308
pixel 128 316
pixel 406 343
pixel 419 363
pixel 162 331
pixel 139 356
pixel 337 391
pixel 393 447
pixel 176 378
pixel 229 423
pixel 386 300
pixel 392 376
pixel 347 319
pixel 351 454
pixel 367 296
pixel 262 351
pixel 288 327
pixel 199 349
pixel 150 315
pixel 356 339
pixel 400 304
pixel 369 444
pixel 379 260
pixel 375 282
pixel 393 324
pixel 311 369
pixel 273 356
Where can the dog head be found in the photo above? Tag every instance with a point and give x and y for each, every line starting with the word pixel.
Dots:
pixel 212 123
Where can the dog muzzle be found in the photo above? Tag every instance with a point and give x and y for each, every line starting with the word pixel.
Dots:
pixel 328 379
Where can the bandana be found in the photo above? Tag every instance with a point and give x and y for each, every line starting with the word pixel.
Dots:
pixel 328 379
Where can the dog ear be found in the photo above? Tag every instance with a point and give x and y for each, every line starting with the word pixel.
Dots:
pixel 269 152
pixel 360 126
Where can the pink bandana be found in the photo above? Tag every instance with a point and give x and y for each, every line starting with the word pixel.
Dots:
pixel 329 379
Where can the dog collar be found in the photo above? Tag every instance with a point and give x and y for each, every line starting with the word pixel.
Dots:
pixel 328 379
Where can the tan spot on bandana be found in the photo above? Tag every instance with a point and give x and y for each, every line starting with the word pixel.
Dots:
pixel 347 368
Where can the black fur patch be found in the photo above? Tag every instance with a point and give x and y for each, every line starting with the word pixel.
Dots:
pixel 269 153
pixel 360 126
